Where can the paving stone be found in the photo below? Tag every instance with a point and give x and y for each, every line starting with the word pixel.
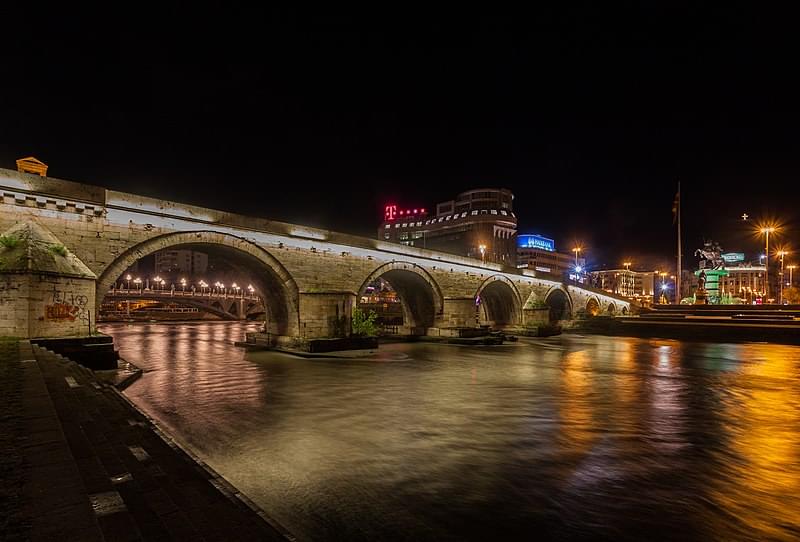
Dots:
pixel 106 503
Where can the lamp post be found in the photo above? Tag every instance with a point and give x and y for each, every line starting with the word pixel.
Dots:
pixel 183 285
pixel 128 282
pixel 663 288
pixel 482 248
pixel 766 231
pixel 250 289
pixel 138 282
pixel 781 253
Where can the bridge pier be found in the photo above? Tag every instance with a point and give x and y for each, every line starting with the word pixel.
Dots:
pixel 459 312
pixel 326 314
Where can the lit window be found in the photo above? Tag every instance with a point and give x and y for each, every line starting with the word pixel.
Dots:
pixel 463 214
pixel 448 217
pixel 419 224
pixel 474 213
pixel 386 235
pixel 483 212
pixel 504 213
pixel 388 226
pixel 441 219
pixel 494 212
pixel 397 225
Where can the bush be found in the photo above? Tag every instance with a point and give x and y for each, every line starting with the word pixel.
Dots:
pixel 61 250
pixel 363 324
pixel 9 241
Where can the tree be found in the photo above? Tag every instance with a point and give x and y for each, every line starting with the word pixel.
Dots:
pixel 364 324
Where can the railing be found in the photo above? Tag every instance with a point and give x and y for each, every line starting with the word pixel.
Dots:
pixel 143 293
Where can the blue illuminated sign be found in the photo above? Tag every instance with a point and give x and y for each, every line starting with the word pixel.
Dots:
pixel 536 241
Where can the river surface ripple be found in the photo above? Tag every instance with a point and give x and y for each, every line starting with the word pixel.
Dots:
pixel 567 438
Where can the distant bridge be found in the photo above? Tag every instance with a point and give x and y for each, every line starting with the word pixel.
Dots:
pixel 225 306
pixel 309 279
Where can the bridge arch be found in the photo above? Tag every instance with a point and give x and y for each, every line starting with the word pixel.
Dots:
pixel 271 279
pixel 593 307
pixel 420 295
pixel 560 304
pixel 500 301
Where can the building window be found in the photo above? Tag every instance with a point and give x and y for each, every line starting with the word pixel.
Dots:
pixel 397 225
pixel 387 235
pixel 388 226
pixel 494 212
pixel 474 213
pixel 404 237
pixel 504 213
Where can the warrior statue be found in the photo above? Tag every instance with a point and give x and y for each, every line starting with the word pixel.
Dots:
pixel 701 281
pixel 712 253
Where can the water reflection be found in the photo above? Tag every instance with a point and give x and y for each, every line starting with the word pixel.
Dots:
pixel 565 438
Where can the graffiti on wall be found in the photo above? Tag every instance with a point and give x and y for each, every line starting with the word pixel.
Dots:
pixel 67 305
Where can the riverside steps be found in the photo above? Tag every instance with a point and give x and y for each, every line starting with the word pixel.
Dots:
pixel 725 323
pixel 79 462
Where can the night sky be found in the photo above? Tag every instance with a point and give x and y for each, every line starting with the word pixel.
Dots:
pixel 590 116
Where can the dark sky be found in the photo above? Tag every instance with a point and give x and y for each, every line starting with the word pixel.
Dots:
pixel 589 115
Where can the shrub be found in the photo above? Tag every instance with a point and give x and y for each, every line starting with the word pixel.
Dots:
pixel 363 324
pixel 9 241
pixel 61 250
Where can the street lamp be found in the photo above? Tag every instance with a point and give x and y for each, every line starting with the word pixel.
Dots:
pixel 138 282
pixel 183 285
pixel 128 280
pixel 482 248
pixel 781 253
pixel 627 266
pixel 766 231
pixel 235 289
pixel 156 281
pixel 250 289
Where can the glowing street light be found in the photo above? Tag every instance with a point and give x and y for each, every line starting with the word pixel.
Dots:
pixel 138 282
pixel 183 285
pixel 482 248
pixel 766 230
pixel 627 266
pixel 250 289
pixel 128 280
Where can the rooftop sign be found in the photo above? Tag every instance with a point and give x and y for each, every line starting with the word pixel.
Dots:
pixel 536 241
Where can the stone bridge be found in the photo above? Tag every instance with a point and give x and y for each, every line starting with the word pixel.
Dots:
pixel 65 244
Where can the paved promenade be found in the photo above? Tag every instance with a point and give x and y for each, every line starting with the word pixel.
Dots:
pixel 77 462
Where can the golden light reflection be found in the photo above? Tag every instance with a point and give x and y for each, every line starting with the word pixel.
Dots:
pixel 575 404
pixel 763 478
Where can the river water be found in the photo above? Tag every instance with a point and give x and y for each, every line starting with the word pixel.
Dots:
pixel 566 438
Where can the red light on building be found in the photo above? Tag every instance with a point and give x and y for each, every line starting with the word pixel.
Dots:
pixel 391 212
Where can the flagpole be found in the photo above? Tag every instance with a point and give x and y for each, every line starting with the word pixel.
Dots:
pixel 678 275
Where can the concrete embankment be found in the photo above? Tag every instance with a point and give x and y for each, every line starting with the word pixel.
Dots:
pixel 79 462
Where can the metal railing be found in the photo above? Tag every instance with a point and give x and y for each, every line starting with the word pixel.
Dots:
pixel 148 292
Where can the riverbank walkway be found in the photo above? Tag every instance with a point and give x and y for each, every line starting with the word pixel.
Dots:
pixel 78 462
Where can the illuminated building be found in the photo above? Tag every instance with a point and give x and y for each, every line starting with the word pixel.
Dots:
pixel 539 253
pixel 638 285
pixel 478 224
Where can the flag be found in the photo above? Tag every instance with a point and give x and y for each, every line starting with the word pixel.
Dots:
pixel 675 206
